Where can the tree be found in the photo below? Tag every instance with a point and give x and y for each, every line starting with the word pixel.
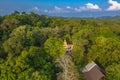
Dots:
pixel 15 12
pixel 81 42
pixel 7 26
pixel 1 19
pixel 20 38
pixel 54 47
pixel 37 56
pixel 105 50
pixel 113 72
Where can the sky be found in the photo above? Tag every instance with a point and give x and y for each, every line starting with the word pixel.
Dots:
pixel 64 8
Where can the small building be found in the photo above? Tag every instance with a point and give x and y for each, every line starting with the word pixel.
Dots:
pixel 68 47
pixel 92 72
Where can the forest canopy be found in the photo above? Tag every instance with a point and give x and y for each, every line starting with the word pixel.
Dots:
pixel 31 46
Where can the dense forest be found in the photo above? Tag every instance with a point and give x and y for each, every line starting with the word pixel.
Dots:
pixel 31 46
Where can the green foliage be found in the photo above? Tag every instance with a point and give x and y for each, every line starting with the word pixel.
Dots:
pixel 105 50
pixel 20 38
pixel 6 27
pixel 78 52
pixel 54 47
pixel 106 32
pixel 31 44
pixel 113 72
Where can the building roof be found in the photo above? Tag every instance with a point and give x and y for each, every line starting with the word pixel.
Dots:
pixel 89 66
pixel 92 72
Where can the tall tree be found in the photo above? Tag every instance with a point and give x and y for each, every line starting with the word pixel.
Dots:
pixel 54 47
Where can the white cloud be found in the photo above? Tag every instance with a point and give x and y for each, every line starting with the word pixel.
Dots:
pixel 68 7
pixel 81 9
pixel 77 9
pixel 57 8
pixel 114 5
pixel 47 11
pixel 35 9
pixel 92 6
pixel 87 7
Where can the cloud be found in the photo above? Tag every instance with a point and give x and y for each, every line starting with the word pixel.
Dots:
pixel 87 7
pixel 68 7
pixel 114 5
pixel 80 9
pixel 56 10
pixel 92 6
pixel 35 9
pixel 46 11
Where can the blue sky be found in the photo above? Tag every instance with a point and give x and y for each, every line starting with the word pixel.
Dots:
pixel 65 8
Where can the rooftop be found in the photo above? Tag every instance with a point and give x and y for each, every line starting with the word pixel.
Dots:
pixel 92 72
pixel 89 66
